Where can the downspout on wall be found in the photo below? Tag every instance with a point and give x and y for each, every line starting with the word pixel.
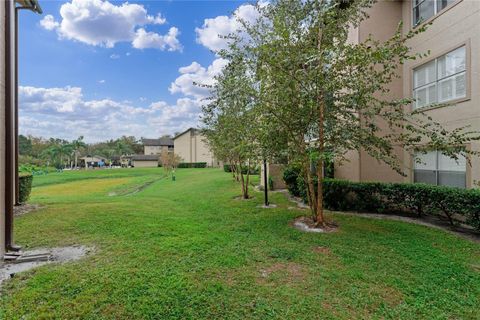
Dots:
pixel 9 124
pixel 10 144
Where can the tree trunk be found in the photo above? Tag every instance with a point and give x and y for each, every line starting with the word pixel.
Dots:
pixel 320 220
pixel 311 196
pixel 248 180
pixel 238 170
pixel 244 194
pixel 76 159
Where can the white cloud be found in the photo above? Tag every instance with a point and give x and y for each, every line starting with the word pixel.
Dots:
pixel 195 73
pixel 192 68
pixel 48 22
pixel 101 81
pixel 114 56
pixel 65 113
pixel 101 23
pixel 144 39
pixel 211 33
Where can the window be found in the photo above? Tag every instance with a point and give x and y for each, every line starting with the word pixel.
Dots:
pixel 439 169
pixel 440 80
pixel 425 9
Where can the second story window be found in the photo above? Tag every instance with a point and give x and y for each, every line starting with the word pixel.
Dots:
pixel 440 80
pixel 425 9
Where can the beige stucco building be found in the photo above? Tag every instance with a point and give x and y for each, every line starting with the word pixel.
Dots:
pixel 157 146
pixel 191 147
pixel 449 75
pixel 145 161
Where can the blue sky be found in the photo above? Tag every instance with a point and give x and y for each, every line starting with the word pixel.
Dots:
pixel 106 68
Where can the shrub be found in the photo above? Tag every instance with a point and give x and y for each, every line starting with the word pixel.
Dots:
pixel 25 186
pixel 192 165
pixel 253 170
pixel 456 205
pixel 270 183
pixel 290 176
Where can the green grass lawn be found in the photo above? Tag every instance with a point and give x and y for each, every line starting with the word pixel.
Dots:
pixel 188 250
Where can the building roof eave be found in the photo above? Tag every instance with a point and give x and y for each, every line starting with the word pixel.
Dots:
pixel 32 5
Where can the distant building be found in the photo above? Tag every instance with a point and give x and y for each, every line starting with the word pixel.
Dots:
pixel 191 147
pixel 144 160
pixel 156 146
pixel 92 161
pixel 152 149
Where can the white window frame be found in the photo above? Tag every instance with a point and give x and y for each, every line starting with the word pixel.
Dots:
pixel 438 80
pixel 437 170
pixel 436 11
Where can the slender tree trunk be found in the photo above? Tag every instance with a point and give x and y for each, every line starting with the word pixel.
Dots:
pixel 248 180
pixel 320 220
pixel 311 195
pixel 76 159
pixel 238 170
pixel 244 194
pixel 233 169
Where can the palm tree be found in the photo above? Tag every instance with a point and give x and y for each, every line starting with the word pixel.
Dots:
pixel 51 154
pixel 77 145
pixel 59 151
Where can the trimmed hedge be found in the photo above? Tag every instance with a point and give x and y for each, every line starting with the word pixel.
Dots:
pixel 192 165
pixel 253 170
pixel 455 204
pixel 25 181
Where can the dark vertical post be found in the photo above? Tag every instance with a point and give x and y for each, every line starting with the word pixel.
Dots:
pixel 17 182
pixel 9 128
pixel 265 182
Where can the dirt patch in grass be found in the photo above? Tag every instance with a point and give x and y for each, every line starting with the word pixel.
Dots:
pixel 28 259
pixel 306 224
pixel 374 297
pixel 242 198
pixel 133 189
pixel 322 250
pixel 26 208
pixel 391 297
pixel 283 272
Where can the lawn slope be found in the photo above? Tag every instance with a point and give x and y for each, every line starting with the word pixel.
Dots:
pixel 186 249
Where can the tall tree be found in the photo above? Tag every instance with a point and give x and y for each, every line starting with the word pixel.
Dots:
pixel 229 119
pixel 77 146
pixel 329 95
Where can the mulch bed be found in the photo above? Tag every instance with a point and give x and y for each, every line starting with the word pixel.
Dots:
pixel 306 224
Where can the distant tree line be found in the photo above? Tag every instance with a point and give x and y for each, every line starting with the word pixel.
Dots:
pixel 61 153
